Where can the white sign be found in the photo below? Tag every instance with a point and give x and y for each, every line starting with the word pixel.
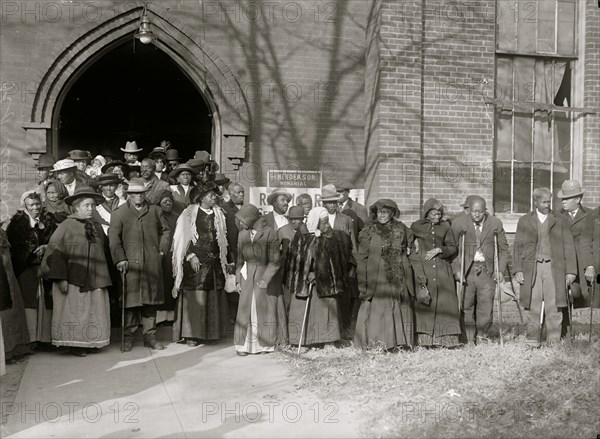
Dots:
pixel 258 196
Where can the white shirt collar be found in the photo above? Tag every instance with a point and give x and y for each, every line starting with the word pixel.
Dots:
pixel 331 219
pixel 71 187
pixel 206 211
pixel 542 217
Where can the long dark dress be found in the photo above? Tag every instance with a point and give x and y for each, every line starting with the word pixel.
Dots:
pixel 385 317
pixel 166 310
pixel 437 323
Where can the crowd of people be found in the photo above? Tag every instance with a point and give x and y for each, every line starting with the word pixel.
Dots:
pixel 103 243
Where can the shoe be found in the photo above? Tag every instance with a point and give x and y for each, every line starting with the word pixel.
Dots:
pixel 78 352
pixel 242 354
pixel 127 346
pixel 192 343
pixel 154 344
pixel 92 350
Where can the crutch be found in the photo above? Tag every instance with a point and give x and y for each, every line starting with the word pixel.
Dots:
pixel 541 321
pixel 592 307
pixel 122 310
pixel 512 287
pixel 305 315
pixel 569 306
pixel 498 291
pixel 459 290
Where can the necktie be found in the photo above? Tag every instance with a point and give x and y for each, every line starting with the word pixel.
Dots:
pixel 572 215
pixel 478 234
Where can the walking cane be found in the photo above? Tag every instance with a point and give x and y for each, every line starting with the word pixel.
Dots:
pixel 541 321
pixel 592 306
pixel 512 287
pixel 462 272
pixel 305 315
pixel 122 310
pixel 569 306
pixel 498 291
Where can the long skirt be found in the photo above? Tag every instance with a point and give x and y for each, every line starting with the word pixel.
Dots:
pixel 201 314
pixel 80 319
pixel 322 321
pixel 14 321
pixel 385 322
pixel 253 343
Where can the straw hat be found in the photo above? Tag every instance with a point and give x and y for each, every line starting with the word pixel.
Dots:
pixel 329 193
pixel 131 147
pixel 136 185
pixel 63 165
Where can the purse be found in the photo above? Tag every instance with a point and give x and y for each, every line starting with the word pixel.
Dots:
pixel 423 295
pixel 230 284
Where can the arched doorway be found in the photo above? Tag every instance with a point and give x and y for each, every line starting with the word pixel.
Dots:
pixel 126 95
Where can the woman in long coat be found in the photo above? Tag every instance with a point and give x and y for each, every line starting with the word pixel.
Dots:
pixel 318 267
pixel 76 263
pixel 385 281
pixel 201 259
pixel 259 324
pixel 28 234
pixel 438 321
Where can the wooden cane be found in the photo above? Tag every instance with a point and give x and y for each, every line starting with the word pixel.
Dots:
pixel 305 315
pixel 512 287
pixel 541 321
pixel 122 311
pixel 569 306
pixel 498 291
pixel 592 307
pixel 462 272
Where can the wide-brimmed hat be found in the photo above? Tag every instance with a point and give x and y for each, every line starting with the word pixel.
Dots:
pixel 136 185
pixel 468 201
pixel 221 179
pixel 431 204
pixel 344 186
pixel 63 165
pixel 201 189
pixel 109 178
pixel 384 202
pixel 84 192
pixel 570 188
pixel 131 147
pixel 124 167
pixel 202 155
pixel 78 154
pixel 172 154
pixel 249 214
pixel 329 193
pixel 159 151
pixel 46 161
pixel 180 168
pixel 277 192
pixel 296 212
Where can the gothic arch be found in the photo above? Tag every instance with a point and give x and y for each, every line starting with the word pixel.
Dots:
pixel 214 79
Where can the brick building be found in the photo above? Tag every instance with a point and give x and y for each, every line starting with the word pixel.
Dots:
pixel 408 99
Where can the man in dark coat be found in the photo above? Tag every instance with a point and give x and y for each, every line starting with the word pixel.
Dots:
pixel 139 237
pixel 280 200
pixel 153 185
pixel 479 228
pixel 575 213
pixel 347 203
pixel 593 224
pixel 544 263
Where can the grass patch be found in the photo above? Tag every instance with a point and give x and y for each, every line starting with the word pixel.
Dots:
pixel 475 391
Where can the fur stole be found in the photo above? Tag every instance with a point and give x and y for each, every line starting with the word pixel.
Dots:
pixel 394 245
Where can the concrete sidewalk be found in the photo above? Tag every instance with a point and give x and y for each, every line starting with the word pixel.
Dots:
pixel 205 391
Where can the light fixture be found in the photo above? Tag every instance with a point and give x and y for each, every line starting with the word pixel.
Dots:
pixel 144 33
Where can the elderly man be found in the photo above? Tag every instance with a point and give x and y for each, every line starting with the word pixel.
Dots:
pixel 545 264
pixel 280 200
pixel 575 213
pixel 138 237
pixel 184 175
pixel 593 223
pixel 305 200
pixel 153 185
pixel 479 228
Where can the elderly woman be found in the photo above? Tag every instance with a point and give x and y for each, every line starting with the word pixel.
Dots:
pixel 28 234
pixel 318 268
pixel 201 260
pixel 436 307
pixel 260 324
pixel 385 281
pixel 54 201
pixel 76 264
pixel 171 210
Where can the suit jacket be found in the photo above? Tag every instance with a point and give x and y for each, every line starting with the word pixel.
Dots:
pixel 582 237
pixel 562 249
pixel 180 195
pixel 344 223
pixel 233 226
pixel 154 189
pixel 464 224
pixel 361 211
pixel 270 218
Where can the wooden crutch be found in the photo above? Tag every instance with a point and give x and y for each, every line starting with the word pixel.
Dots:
pixel 310 289
pixel 498 291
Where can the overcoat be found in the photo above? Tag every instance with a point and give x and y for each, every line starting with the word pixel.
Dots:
pixel 360 210
pixel 138 237
pixel 261 258
pixel 525 250
pixel 154 189
pixel 582 237
pixel 593 224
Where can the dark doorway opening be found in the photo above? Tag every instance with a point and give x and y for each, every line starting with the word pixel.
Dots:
pixel 142 96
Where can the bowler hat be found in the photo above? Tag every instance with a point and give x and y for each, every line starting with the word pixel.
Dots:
pixel 46 161
pixel 570 188
pixel 277 192
pixel 136 185
pixel 248 214
pixel 78 154
pixel 124 167
pixel 84 192
pixel 468 201
pixel 329 193
pixel 200 190
pixel 181 168
pixel 64 164
pixel 172 154
pixel 296 212
pixel 109 178
pixel 131 147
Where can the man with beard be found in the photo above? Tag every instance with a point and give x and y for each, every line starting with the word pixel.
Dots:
pixel 153 185
pixel 280 200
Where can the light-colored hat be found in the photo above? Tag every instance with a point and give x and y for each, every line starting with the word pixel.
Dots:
pixel 343 186
pixel 64 164
pixel 329 193
pixel 101 159
pixel 570 188
pixel 277 192
pixel 136 185
pixel 131 147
